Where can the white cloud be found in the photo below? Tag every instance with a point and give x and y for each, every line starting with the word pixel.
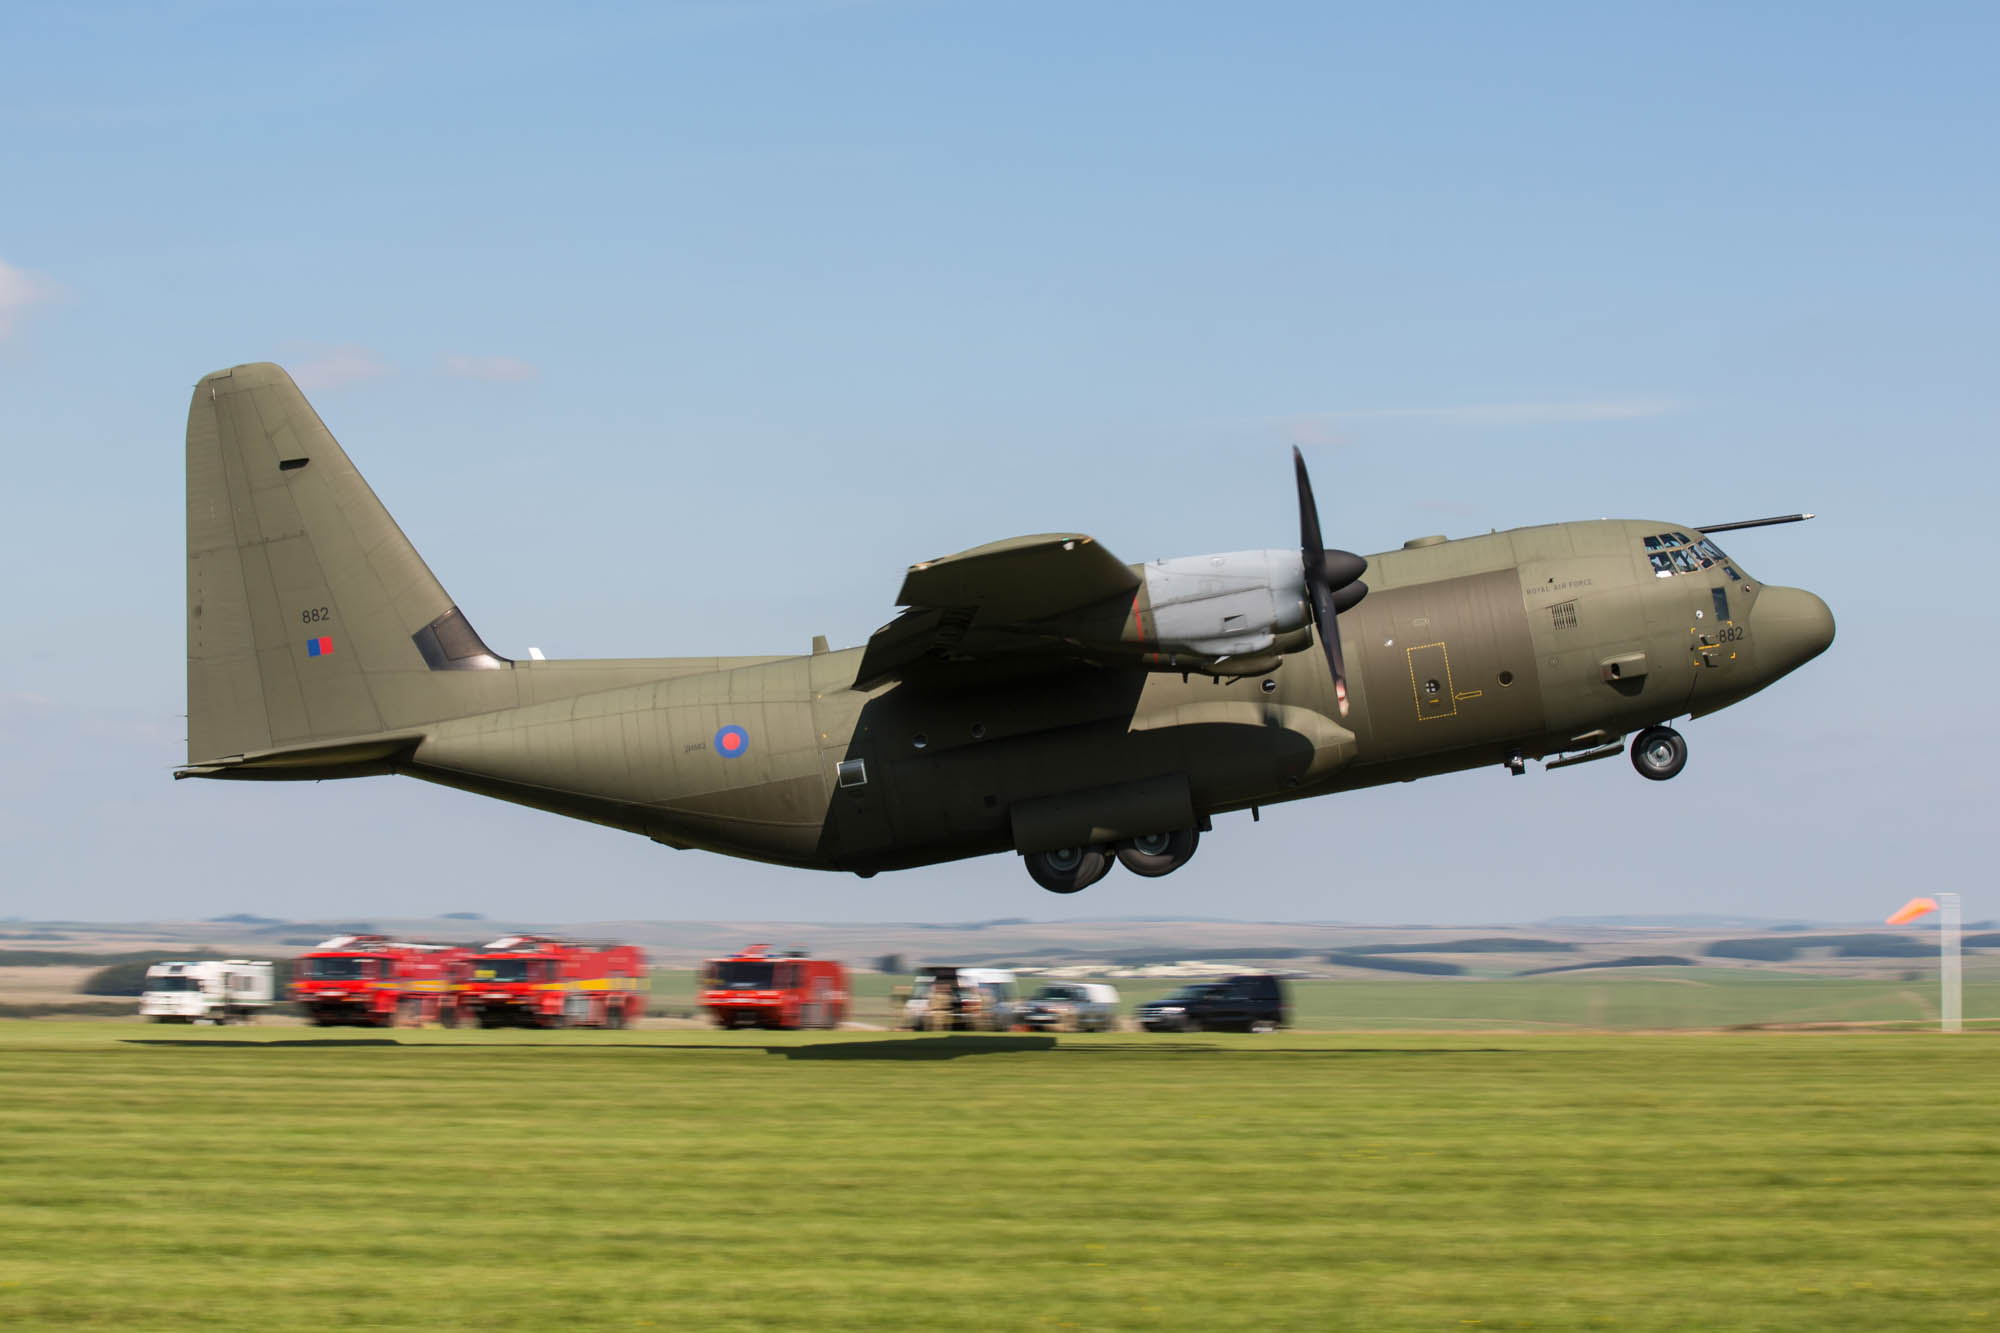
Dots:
pixel 1337 427
pixel 20 289
pixel 1518 414
pixel 1314 430
pixel 494 369
pixel 335 367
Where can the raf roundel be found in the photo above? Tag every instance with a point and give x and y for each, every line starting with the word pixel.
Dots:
pixel 731 741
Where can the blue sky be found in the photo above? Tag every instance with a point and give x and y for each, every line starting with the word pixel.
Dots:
pixel 682 329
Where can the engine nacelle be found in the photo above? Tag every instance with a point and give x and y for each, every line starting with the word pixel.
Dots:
pixel 1235 605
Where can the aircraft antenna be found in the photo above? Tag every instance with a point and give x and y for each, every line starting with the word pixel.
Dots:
pixel 1752 523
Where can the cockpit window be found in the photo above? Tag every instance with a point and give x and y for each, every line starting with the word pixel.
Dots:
pixel 1672 553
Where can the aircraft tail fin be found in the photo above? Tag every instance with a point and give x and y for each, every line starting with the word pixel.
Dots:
pixel 311 618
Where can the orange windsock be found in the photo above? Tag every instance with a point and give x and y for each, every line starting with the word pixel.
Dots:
pixel 1913 909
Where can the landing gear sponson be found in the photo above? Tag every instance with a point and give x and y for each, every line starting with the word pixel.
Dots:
pixel 1658 753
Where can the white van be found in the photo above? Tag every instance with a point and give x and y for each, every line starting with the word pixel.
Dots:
pixel 212 992
pixel 1072 1006
pixel 961 999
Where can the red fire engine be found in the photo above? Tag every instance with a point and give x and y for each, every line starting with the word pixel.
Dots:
pixel 538 981
pixel 756 990
pixel 372 980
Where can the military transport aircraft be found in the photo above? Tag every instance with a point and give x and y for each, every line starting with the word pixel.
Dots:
pixel 1038 695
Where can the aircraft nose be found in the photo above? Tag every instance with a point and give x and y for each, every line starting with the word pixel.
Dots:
pixel 1791 626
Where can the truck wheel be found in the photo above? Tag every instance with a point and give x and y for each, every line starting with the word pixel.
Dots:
pixel 614 1016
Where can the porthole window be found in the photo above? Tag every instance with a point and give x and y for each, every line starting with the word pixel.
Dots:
pixel 1506 678
pixel 919 741
pixel 1269 686
pixel 979 731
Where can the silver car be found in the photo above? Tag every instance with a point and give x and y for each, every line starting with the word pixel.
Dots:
pixel 1071 1006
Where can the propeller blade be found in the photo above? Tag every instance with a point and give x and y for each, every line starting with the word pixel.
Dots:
pixel 1310 545
pixel 1326 621
pixel 1331 577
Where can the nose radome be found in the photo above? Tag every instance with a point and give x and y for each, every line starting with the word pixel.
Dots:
pixel 1792 626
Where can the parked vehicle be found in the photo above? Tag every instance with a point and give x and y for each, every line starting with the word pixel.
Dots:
pixel 961 999
pixel 375 981
pixel 228 991
pixel 1071 1006
pixel 753 989
pixel 1250 1002
pixel 541 981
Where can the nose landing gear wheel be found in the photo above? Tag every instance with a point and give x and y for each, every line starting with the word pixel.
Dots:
pixel 1068 869
pixel 1659 753
pixel 1156 854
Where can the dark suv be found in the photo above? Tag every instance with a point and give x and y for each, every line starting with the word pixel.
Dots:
pixel 1252 1002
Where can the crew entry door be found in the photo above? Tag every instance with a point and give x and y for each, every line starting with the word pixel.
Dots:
pixel 1430 681
pixel 857 806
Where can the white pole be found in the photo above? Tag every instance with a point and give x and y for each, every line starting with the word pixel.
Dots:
pixel 1951 984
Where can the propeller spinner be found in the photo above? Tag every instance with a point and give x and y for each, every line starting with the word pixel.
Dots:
pixel 1333 580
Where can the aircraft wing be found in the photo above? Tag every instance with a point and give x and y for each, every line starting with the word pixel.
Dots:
pixel 982 603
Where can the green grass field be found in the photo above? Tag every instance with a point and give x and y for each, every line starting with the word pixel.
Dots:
pixel 174 1178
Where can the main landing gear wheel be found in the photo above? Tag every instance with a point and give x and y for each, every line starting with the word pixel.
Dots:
pixel 1659 753
pixel 1156 854
pixel 1067 869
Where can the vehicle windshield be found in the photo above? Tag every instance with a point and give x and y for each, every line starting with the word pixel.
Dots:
pixel 172 983
pixel 501 969
pixel 339 969
pixel 744 976
pixel 1056 993
pixel 1186 993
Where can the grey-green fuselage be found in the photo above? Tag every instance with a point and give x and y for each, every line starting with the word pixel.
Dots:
pixel 1005 717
